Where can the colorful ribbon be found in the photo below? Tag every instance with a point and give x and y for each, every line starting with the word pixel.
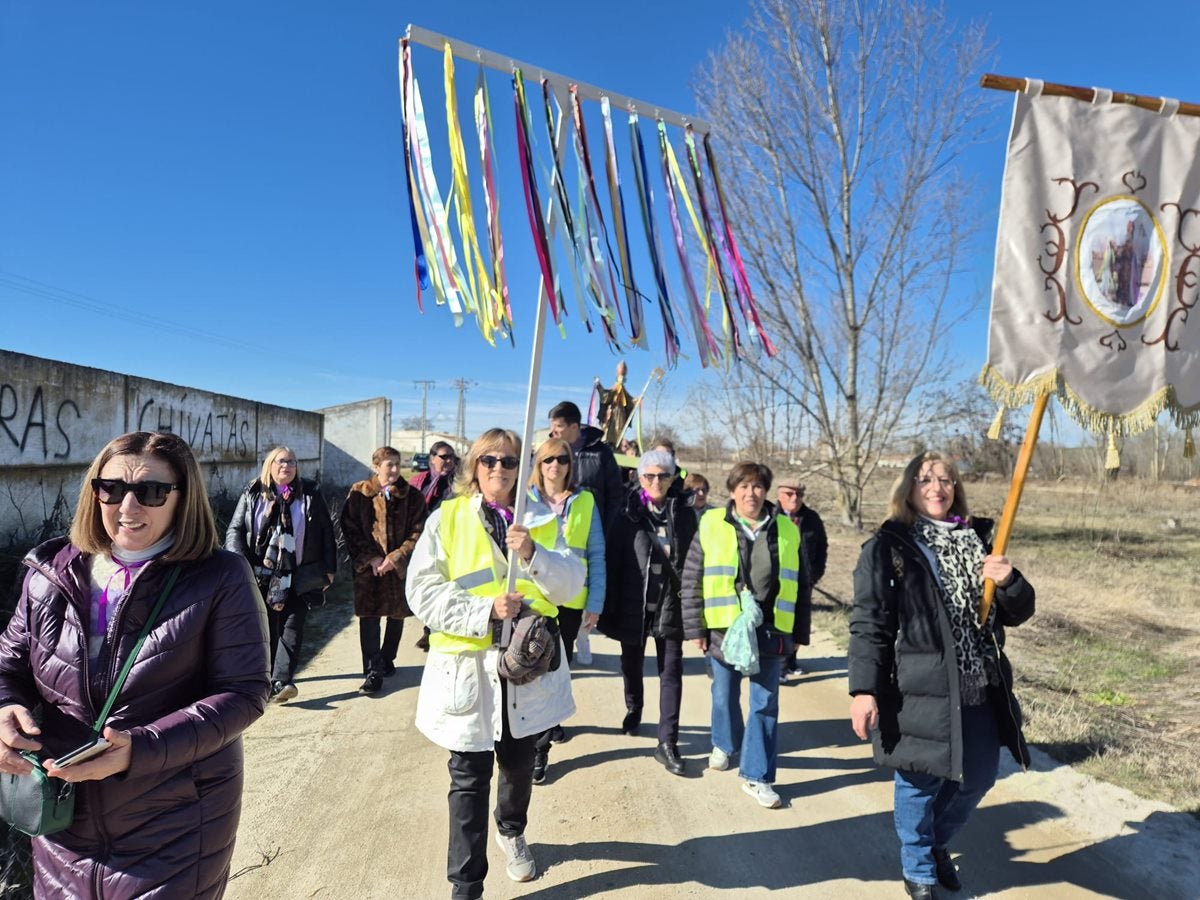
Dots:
pixel 420 265
pixel 637 327
pixel 481 293
pixel 439 248
pixel 641 178
pixel 537 224
pixel 673 179
pixel 491 200
pixel 728 245
pixel 590 210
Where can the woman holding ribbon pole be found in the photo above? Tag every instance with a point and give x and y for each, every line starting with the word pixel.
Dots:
pixel 457 584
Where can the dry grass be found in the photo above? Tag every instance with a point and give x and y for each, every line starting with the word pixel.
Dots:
pixel 1108 671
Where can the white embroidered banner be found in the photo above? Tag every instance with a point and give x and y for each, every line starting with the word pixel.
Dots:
pixel 1098 264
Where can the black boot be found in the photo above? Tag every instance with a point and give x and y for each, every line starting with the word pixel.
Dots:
pixel 541 759
pixel 633 718
pixel 668 755
pixel 920 891
pixel 947 874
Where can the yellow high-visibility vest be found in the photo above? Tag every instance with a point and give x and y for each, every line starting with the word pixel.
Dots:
pixel 575 531
pixel 472 565
pixel 718 539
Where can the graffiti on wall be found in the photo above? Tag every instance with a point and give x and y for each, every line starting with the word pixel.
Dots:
pixel 33 424
pixel 209 432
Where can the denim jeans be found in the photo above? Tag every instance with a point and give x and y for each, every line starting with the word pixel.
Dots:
pixel 930 811
pixel 754 740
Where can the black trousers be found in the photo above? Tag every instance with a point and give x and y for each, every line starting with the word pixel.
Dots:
pixel 470 789
pixel 569 621
pixel 285 635
pixel 670 682
pixel 374 655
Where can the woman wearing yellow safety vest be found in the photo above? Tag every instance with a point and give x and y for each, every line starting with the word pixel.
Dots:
pixel 746 546
pixel 551 484
pixel 457 585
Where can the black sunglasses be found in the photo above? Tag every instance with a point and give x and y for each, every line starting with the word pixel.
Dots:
pixel 658 476
pixel 148 493
pixel 562 459
pixel 445 456
pixel 507 462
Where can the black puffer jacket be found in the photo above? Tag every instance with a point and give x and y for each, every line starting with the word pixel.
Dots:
pixel 319 554
pixel 902 651
pixel 771 642
pixel 596 469
pixel 638 570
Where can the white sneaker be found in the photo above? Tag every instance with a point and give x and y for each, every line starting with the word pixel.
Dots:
pixel 763 793
pixel 521 866
pixel 583 649
pixel 286 693
pixel 718 759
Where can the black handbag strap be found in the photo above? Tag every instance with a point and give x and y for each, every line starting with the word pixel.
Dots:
pixel 120 682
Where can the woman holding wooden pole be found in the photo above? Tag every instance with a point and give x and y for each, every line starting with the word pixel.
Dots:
pixel 932 687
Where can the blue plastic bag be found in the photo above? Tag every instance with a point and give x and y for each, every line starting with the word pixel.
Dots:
pixel 740 647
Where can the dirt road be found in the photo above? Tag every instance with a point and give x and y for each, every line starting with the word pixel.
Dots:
pixel 345 799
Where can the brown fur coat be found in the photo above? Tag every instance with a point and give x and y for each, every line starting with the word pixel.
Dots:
pixel 373 527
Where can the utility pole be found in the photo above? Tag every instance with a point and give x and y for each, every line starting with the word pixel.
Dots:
pixel 424 385
pixel 460 426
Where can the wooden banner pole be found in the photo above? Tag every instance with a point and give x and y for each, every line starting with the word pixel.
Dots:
pixel 1087 95
pixel 1024 459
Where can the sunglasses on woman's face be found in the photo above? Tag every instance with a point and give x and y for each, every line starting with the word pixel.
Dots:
pixel 658 476
pixel 562 459
pixel 506 462
pixel 148 493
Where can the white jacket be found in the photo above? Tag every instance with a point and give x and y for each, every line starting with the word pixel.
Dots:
pixel 459 704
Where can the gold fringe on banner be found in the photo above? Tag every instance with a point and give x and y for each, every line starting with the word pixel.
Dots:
pixel 1189 445
pixel 1112 460
pixel 1089 417
pixel 993 433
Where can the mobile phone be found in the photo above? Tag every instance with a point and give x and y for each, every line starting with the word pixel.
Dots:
pixel 94 747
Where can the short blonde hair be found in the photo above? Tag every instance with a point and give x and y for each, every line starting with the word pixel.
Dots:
pixel 265 479
pixel 551 447
pixel 901 508
pixel 194 526
pixel 467 484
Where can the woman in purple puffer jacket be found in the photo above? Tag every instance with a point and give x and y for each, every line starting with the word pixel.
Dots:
pixel 156 813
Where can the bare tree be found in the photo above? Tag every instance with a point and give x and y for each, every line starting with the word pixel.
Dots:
pixel 840 125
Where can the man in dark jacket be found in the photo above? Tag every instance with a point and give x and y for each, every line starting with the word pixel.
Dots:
pixel 814 548
pixel 595 467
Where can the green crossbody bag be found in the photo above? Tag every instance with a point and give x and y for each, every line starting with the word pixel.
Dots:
pixel 37 804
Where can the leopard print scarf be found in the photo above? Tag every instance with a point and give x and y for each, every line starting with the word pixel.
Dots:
pixel 959 553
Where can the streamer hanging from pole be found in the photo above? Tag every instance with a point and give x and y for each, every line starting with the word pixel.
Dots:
pixel 537 224
pixel 420 263
pixel 491 198
pixel 637 327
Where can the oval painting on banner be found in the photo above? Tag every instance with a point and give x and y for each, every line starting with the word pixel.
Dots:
pixel 1119 260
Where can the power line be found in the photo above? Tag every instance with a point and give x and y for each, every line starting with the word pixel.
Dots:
pixel 45 291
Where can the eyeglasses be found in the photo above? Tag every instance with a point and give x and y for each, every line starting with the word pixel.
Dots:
pixel 446 456
pixel 658 476
pixel 505 462
pixel 940 482
pixel 112 491
pixel 285 462
pixel 562 459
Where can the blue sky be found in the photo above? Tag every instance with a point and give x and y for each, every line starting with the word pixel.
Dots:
pixel 213 194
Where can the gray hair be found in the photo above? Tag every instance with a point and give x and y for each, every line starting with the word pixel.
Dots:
pixel 660 458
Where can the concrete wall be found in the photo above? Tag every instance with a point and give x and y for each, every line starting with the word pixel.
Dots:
pixel 353 431
pixel 55 417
